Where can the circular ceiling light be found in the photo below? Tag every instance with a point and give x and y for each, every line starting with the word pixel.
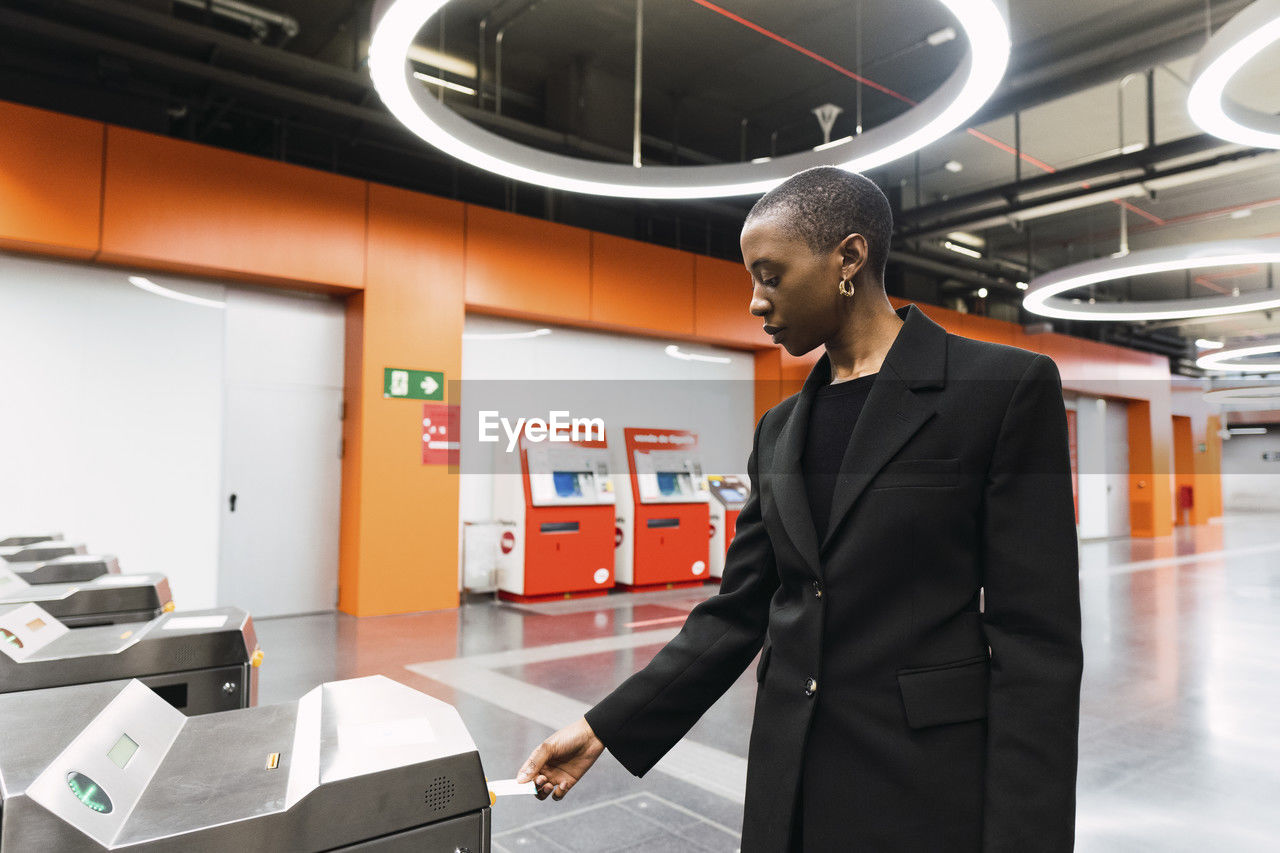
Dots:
pixel 1230 49
pixel 397 22
pixel 1043 294
pixel 1222 359
pixel 1248 396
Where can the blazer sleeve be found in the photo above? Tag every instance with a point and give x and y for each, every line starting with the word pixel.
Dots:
pixel 645 716
pixel 1032 624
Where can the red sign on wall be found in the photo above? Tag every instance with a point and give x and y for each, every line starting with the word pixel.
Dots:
pixel 441 434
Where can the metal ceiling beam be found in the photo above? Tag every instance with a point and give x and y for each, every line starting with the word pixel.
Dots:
pixel 1126 170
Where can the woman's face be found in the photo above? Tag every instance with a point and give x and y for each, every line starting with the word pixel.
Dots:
pixel 794 290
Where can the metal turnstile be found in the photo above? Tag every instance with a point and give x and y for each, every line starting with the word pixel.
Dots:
pixel 28 539
pixel 36 551
pixel 200 661
pixel 73 568
pixel 107 600
pixel 361 765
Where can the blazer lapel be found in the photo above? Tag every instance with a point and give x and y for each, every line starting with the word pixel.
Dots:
pixel 898 405
pixel 788 480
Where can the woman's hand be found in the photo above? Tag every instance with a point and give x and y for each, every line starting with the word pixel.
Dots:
pixel 561 760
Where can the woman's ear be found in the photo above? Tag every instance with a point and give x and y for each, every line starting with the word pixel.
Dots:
pixel 853 255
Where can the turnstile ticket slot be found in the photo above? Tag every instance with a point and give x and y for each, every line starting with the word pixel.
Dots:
pixel 662 522
pixel 559 527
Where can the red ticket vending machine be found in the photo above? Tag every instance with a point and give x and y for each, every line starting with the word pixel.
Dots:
pixel 728 495
pixel 558 522
pixel 662 515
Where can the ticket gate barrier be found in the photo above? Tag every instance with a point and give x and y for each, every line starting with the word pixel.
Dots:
pixel 72 568
pixel 200 661
pixel 662 517
pixel 728 496
pixel 558 522
pixel 361 765
pixel 105 600
pixel 34 552
pixel 28 539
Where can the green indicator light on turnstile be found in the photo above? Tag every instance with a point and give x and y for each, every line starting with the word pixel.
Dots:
pixel 10 637
pixel 88 792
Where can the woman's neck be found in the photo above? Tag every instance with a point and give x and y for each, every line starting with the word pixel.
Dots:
pixel 863 343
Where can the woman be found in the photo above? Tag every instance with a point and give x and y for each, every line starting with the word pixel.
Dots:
pixel 907 560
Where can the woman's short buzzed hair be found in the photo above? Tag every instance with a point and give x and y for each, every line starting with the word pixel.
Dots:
pixel 825 204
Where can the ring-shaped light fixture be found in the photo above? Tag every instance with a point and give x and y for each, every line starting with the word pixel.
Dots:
pixel 1241 39
pixel 1043 295
pixel 1247 396
pixel 397 22
pixel 1222 359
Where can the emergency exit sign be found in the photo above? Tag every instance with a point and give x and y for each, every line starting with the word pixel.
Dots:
pixel 412 384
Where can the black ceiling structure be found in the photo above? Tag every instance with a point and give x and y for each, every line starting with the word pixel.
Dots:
pixel 1091 105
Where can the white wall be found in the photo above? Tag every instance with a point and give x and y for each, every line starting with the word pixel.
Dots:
pixel 1102 460
pixel 1249 483
pixel 113 425
pixel 111 417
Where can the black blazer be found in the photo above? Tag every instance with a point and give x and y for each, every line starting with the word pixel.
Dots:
pixel 914 719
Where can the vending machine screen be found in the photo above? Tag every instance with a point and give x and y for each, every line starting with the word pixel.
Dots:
pixel 568 484
pixel 673 482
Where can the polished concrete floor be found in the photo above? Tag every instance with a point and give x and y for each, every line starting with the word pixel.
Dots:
pixel 1180 727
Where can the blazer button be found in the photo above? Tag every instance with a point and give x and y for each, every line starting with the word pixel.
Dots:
pixel 811 687
pixel 817 589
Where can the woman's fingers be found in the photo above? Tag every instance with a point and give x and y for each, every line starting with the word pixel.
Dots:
pixel 531 767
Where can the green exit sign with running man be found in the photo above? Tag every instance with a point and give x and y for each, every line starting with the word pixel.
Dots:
pixel 413 384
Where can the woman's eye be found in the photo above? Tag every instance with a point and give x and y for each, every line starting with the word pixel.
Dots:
pixel 770 282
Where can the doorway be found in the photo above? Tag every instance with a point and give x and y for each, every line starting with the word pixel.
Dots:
pixel 282 445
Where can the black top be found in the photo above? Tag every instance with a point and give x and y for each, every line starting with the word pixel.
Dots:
pixel 835 410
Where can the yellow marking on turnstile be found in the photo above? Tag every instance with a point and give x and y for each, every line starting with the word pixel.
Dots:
pixel 126 635
pixel 493 798
pixel 169 607
pixel 256 659
pixel 273 761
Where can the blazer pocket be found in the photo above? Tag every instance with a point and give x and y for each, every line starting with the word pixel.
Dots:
pixel 946 693
pixel 918 472
pixel 763 666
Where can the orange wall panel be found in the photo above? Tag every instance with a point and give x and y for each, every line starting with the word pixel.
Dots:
pixel 50 182
pixel 519 265
pixel 406 529
pixel 768 371
pixel 722 303
pixel 639 284
pixel 177 205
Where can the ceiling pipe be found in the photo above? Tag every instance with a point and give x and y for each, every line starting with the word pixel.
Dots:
pixel 1135 170
pixel 255 17
pixel 950 270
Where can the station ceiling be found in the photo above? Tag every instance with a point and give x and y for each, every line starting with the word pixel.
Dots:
pixel 1094 97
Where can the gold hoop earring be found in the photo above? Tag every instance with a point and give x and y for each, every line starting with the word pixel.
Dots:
pixel 846 287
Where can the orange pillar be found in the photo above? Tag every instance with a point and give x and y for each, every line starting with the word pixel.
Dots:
pixel 1150 436
pixel 400 517
pixel 1208 473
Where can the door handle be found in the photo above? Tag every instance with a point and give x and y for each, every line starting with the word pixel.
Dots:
pixel 233 502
